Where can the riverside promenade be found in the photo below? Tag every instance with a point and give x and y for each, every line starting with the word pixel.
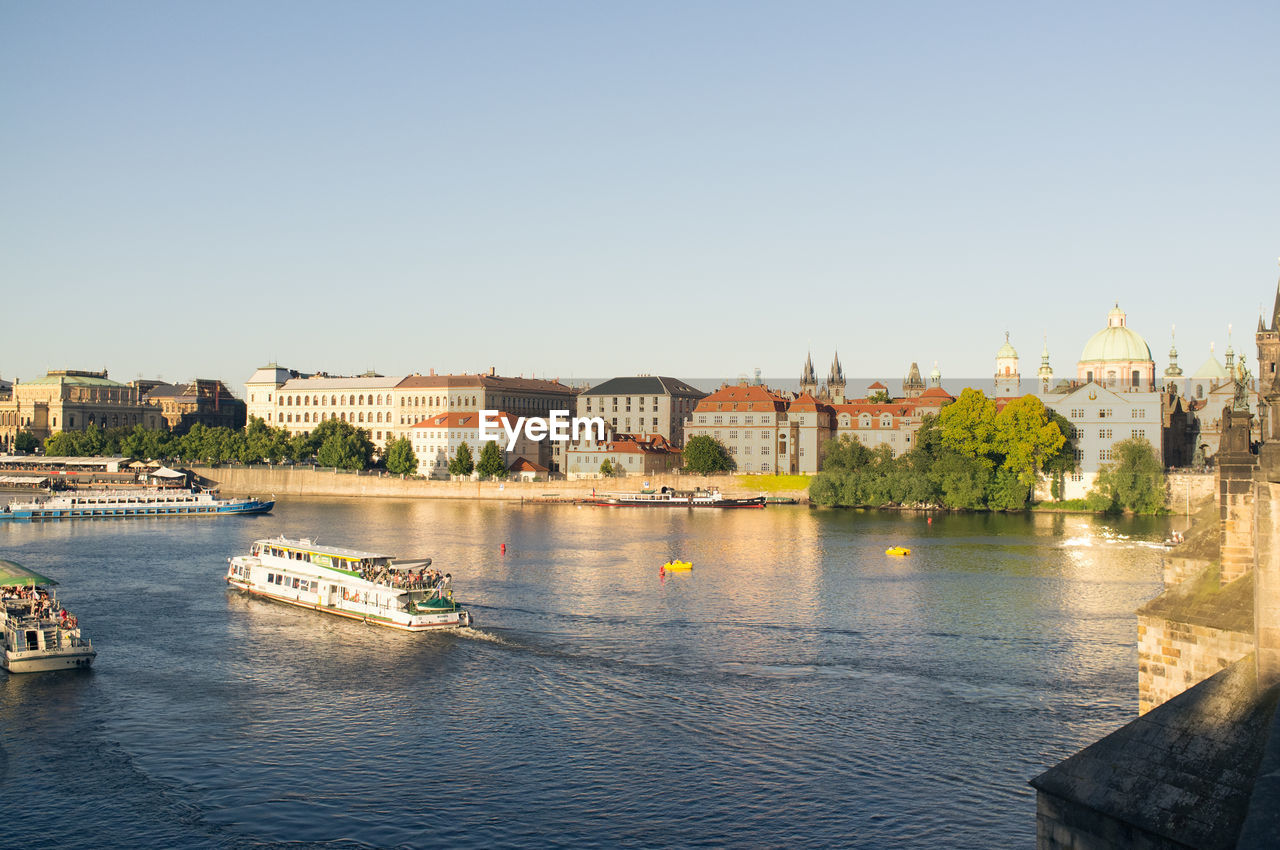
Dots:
pixel 311 481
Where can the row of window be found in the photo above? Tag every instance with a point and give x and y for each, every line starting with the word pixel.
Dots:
pixel 296 583
pixel 766 419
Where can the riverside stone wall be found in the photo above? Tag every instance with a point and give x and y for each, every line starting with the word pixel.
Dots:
pixel 1185 489
pixel 307 481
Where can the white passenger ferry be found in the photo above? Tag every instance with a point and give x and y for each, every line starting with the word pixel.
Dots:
pixel 669 497
pixel 115 504
pixel 368 586
pixel 36 633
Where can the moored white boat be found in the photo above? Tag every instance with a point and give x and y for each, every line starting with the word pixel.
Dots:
pixel 368 586
pixel 669 497
pixel 38 634
pixel 116 504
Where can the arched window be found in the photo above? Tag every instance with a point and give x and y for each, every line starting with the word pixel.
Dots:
pixel 289 400
pixel 1199 390
pixel 379 415
pixel 333 401
pixel 379 399
pixel 886 421
pixel 864 421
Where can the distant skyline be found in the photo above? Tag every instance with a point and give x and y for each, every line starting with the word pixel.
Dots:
pixel 578 190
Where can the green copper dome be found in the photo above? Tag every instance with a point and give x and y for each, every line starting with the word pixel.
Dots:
pixel 1115 342
pixel 1006 350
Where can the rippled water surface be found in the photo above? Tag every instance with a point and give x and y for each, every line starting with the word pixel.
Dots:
pixel 799 688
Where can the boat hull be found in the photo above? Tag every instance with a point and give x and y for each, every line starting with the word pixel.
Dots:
pixel 457 618
pixel 44 662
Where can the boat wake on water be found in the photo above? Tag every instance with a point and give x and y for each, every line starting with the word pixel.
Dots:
pixel 1111 541
pixel 473 633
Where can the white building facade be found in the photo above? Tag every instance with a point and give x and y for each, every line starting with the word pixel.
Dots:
pixel 1100 418
pixel 436 440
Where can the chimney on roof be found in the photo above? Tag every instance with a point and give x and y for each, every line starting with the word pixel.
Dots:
pixel 433 372
pixel 492 371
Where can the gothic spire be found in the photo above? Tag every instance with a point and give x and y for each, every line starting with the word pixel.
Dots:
pixel 1275 312
pixel 808 376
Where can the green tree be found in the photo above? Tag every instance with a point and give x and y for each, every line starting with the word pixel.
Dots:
pixel 1063 461
pixel 401 459
pixel 25 441
pixel 968 425
pixel 1025 437
pixel 1134 481
pixel 61 444
pixel 880 397
pixel 264 442
pixel 704 454
pixel 961 481
pixel 89 442
pixel 462 463
pixel 606 468
pixel 491 464
pixel 346 449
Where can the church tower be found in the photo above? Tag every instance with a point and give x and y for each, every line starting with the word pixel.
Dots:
pixel 1269 373
pixel 808 379
pixel 1173 372
pixel 935 377
pixel 835 381
pixel 913 384
pixel 1045 372
pixel 1008 381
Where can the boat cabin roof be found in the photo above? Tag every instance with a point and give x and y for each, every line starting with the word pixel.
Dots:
pixel 13 573
pixel 306 545
pixel 407 565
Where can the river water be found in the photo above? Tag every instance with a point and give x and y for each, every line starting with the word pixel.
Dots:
pixel 799 688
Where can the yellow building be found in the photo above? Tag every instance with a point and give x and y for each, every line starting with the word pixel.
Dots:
pixel 69 400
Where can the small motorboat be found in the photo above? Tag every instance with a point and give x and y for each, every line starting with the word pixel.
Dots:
pixel 678 566
pixel 897 550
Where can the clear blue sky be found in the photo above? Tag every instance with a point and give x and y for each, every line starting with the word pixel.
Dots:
pixel 587 189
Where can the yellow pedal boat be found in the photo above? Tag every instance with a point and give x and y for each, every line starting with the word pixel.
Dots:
pixel 678 566
pixel 897 550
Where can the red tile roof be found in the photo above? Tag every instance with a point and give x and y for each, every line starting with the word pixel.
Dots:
pixel 742 397
pixel 522 464
pixel 497 382
pixel 461 419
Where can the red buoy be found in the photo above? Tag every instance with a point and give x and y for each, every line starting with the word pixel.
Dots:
pixel 504 548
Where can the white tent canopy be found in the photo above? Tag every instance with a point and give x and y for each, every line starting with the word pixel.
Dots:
pixel 166 472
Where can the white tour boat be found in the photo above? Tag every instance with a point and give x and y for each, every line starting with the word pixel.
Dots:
pixel 116 504
pixel 366 586
pixel 38 634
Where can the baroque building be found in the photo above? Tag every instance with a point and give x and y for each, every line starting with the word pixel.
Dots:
pixel 72 400
pixel 204 401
